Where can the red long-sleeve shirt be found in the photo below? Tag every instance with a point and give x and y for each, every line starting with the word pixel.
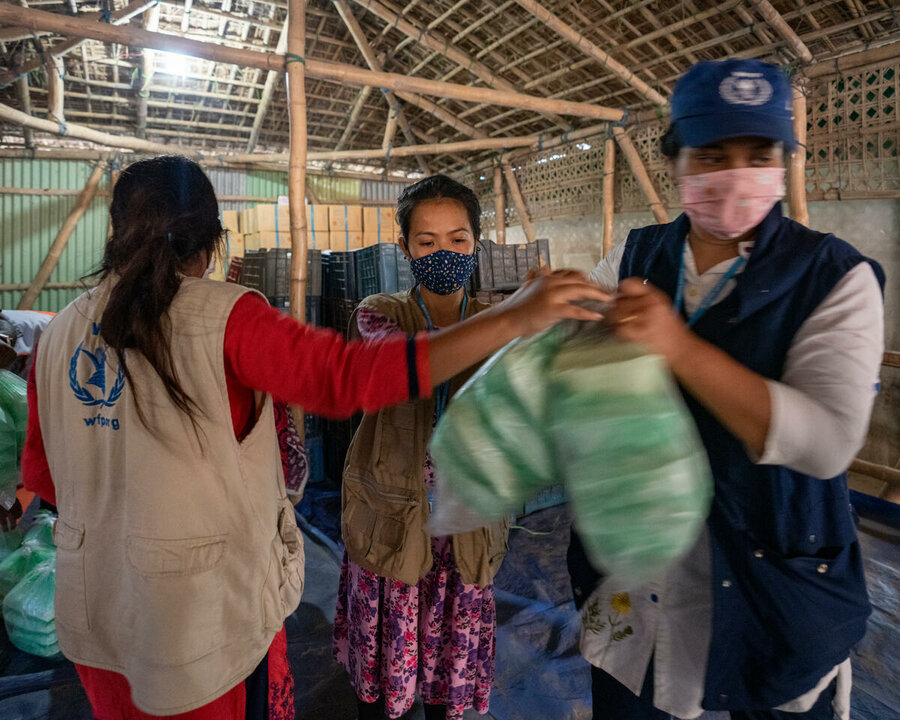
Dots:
pixel 267 351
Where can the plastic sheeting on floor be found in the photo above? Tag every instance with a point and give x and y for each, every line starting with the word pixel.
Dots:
pixel 539 671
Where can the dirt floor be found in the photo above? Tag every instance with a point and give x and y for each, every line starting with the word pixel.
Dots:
pixel 539 671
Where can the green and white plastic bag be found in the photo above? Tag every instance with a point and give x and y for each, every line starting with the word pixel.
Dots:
pixel 29 614
pixel 574 405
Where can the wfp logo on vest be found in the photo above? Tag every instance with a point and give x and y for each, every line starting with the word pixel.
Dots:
pixel 91 367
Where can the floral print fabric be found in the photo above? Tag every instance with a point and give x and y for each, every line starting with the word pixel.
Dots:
pixel 436 638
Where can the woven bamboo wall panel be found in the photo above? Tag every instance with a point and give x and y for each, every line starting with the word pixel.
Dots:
pixel 853 150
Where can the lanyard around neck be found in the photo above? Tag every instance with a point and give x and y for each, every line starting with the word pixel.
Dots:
pixel 442 395
pixel 712 295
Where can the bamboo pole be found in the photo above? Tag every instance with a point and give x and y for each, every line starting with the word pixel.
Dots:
pixel 519 201
pixel 433 41
pixel 20 287
pixel 150 22
pixel 296 41
pixel 609 169
pixel 296 91
pixel 55 90
pixel 779 25
pixel 348 74
pixel 119 17
pixel 355 110
pixel 499 207
pixel 797 202
pixel 23 95
pixel 365 49
pixel 640 172
pixel 586 46
pixel 62 238
pixel 262 110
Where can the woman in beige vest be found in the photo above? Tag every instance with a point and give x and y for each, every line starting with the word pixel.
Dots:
pixel 416 613
pixel 151 429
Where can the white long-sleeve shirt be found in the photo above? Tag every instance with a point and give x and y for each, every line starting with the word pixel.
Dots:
pixel 820 412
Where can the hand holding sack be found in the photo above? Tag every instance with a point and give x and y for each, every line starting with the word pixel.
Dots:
pixel 575 405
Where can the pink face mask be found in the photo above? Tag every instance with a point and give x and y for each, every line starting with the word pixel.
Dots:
pixel 728 203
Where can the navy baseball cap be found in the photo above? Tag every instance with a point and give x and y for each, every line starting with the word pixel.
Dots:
pixel 733 98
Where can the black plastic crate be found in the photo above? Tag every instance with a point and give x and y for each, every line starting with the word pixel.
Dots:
pixel 484 275
pixel 339 275
pixel 315 453
pixel 254 270
pixel 336 313
pixel 522 265
pixel 503 266
pixel 336 441
pixel 313 272
pixel 543 245
pixel 379 269
pixel 277 274
pixel 313 308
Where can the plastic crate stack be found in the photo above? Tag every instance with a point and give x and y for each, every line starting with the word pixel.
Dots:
pixel 505 267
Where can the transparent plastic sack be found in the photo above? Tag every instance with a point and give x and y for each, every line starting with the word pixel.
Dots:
pixel 9 542
pixel 14 399
pixel 28 612
pixel 41 530
pixel 9 459
pixel 575 405
pixel 492 441
pixel 22 561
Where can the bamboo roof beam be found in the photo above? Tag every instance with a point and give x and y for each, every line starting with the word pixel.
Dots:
pixel 438 43
pixel 779 25
pixel 348 74
pixel 586 46
pixel 150 22
pixel 268 91
pixel 355 110
pixel 23 96
pixel 119 17
pixel 56 90
pixel 365 49
pixel 231 16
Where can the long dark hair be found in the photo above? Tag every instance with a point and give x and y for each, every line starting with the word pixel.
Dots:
pixel 432 188
pixel 164 216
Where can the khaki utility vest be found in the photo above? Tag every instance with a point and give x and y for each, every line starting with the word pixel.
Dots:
pixel 178 558
pixel 384 499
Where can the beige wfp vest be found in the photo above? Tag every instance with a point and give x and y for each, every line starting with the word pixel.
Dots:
pixel 177 561
pixel 384 500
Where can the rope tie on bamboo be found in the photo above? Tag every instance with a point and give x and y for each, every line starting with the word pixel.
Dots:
pixel 105 16
pixel 292 58
pixel 62 126
pixel 540 141
pixel 623 121
pixel 387 155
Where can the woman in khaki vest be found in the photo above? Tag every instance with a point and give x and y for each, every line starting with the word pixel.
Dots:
pixel 151 429
pixel 414 612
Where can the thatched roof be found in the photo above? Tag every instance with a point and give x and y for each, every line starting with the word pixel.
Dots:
pixel 214 105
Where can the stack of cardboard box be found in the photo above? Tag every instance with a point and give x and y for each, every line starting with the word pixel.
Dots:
pixel 328 227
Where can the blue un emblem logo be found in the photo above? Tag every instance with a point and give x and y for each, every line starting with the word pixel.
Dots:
pixel 89 379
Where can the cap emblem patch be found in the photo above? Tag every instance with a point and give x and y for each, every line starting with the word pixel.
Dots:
pixel 743 88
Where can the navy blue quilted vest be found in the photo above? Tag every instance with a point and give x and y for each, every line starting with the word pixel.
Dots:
pixel 789 593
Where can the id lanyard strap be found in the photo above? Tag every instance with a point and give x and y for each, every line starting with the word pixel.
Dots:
pixel 713 294
pixel 442 395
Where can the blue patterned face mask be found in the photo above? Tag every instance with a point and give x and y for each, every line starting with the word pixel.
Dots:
pixel 443 272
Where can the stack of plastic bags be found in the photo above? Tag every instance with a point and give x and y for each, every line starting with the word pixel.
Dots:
pixel 575 406
pixel 27 589
pixel 13 424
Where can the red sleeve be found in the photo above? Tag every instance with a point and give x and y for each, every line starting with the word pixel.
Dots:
pixel 317 368
pixel 35 469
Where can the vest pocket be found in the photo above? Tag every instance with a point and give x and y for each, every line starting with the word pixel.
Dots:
pixel 375 522
pixel 71 593
pixel 179 598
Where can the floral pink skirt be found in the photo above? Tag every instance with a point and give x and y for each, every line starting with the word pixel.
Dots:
pixel 436 637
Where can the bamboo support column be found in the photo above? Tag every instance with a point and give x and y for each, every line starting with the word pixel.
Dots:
pixel 62 238
pixel 358 104
pixel 609 169
pixel 296 92
pixel 797 202
pixel 499 207
pixel 521 209
pixel 640 172
pixel 23 95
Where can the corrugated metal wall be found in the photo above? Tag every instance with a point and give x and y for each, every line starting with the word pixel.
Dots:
pixel 28 225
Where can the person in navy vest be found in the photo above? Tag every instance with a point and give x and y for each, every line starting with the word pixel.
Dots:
pixel 775 335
